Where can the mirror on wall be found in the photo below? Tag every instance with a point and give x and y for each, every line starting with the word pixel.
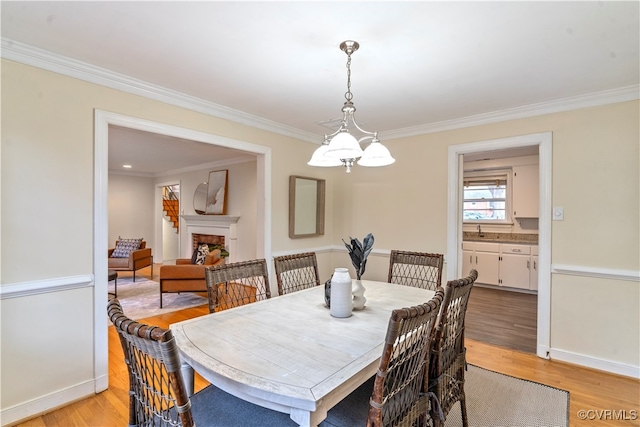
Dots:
pixel 306 207
pixel 200 198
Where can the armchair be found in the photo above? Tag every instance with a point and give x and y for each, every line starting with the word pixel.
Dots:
pixel 187 277
pixel 136 260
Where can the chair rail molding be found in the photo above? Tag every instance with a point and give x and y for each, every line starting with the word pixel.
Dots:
pixel 600 273
pixel 37 287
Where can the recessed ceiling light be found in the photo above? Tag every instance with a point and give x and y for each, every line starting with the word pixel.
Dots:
pixel 126 166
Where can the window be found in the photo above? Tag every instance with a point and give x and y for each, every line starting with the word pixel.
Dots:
pixel 485 198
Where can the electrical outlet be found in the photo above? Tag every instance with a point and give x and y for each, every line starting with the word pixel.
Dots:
pixel 558 214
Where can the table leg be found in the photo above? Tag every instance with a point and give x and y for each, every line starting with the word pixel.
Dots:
pixel 306 418
pixel 187 376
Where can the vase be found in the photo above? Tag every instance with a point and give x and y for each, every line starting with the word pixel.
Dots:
pixel 341 294
pixel 358 295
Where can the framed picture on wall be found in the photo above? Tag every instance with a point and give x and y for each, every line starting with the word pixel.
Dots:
pixel 217 193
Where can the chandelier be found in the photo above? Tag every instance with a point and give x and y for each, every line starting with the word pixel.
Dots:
pixel 342 147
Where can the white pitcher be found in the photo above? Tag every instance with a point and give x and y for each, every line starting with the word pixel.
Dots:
pixel 341 294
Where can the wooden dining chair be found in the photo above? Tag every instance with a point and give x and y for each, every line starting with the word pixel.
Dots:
pixel 447 361
pixel 296 272
pixel 395 395
pixel 157 391
pixel 418 269
pixel 238 283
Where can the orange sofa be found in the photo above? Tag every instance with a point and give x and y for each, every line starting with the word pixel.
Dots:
pixel 187 277
pixel 136 260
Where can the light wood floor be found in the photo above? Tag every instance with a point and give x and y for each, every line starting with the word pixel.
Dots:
pixel 590 390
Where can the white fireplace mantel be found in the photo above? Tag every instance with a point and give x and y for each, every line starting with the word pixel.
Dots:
pixel 218 225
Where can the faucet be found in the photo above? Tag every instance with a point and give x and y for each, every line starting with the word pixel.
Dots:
pixel 480 231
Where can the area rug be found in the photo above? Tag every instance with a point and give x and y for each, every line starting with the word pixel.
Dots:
pixel 498 400
pixel 141 299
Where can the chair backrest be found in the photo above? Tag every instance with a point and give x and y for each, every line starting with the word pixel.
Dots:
pixel 447 360
pixel 238 283
pixel 418 269
pixel 296 272
pixel 396 398
pixel 157 392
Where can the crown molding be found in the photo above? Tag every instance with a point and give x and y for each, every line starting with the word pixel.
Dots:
pixel 49 61
pixel 612 96
pixel 46 60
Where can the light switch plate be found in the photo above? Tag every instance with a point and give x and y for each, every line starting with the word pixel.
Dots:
pixel 558 214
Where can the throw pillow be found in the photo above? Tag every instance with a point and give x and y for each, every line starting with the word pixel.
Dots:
pixel 200 254
pixel 124 247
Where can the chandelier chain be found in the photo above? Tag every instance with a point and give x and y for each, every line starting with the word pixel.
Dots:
pixel 348 95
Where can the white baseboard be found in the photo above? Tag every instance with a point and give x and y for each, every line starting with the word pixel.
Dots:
pixel 594 363
pixel 46 403
pixel 102 383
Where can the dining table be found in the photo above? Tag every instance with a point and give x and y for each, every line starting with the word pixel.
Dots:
pixel 288 353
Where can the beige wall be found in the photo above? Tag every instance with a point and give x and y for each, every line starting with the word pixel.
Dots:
pixel 595 178
pixel 241 200
pixel 47 156
pixel 131 208
pixel 48 202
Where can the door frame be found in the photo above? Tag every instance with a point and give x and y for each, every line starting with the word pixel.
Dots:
pixel 102 121
pixel 454 218
pixel 158 248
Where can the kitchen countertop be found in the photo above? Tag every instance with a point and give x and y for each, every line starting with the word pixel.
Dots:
pixel 474 236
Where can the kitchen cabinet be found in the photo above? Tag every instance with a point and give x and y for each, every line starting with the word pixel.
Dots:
pixel 484 257
pixel 525 191
pixel 515 262
pixel 533 278
pixel 502 264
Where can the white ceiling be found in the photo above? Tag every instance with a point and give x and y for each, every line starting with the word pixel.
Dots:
pixel 420 64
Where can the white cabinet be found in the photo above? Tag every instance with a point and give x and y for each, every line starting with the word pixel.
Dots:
pixel 533 277
pixel 467 257
pixel 502 264
pixel 515 261
pixel 525 191
pixel 484 257
pixel 486 260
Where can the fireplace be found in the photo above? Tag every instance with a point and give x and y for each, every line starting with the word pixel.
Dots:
pixel 210 239
pixel 215 229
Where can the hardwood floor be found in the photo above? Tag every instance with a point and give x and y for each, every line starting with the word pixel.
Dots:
pixel 502 318
pixel 590 390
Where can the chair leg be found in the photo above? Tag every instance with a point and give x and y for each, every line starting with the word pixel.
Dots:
pixel 435 412
pixel 463 409
pixel 134 275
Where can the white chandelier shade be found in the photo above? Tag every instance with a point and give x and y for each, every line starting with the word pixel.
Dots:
pixel 344 146
pixel 376 155
pixel 319 159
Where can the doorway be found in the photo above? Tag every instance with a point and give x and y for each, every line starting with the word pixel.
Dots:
pixel 167 235
pixel 102 121
pixel 500 196
pixel 454 225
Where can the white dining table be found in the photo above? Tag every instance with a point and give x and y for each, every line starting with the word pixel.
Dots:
pixel 288 353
